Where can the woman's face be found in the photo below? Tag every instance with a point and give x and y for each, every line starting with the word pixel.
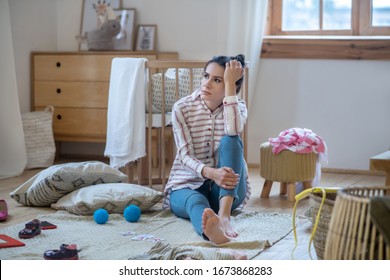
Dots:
pixel 213 86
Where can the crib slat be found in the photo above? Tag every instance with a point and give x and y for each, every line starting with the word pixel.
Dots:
pixel 150 119
pixel 162 136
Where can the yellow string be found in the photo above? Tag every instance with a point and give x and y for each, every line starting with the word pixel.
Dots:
pixel 300 196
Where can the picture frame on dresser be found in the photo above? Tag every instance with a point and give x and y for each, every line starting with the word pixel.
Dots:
pixel 125 39
pixel 94 14
pixel 146 37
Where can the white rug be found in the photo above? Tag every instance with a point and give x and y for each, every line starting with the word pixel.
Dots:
pixel 160 231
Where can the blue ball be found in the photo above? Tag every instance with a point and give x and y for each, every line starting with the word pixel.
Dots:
pixel 132 213
pixel 100 216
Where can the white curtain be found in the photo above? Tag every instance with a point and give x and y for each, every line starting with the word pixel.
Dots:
pixel 246 29
pixel 13 156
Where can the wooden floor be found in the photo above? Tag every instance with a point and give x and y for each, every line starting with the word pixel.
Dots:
pixel 275 203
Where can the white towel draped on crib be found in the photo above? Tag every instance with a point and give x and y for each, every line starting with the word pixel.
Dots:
pixel 126 111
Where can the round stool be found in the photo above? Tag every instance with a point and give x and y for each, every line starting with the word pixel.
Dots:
pixel 286 167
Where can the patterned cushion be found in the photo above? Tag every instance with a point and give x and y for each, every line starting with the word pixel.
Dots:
pixel 170 87
pixel 52 183
pixel 112 197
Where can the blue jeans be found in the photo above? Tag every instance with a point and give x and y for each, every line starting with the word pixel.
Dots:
pixel 190 204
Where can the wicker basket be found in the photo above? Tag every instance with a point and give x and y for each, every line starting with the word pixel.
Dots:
pixel 39 139
pixel 321 233
pixel 352 234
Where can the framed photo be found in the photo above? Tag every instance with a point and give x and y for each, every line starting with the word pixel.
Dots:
pixel 94 14
pixel 125 39
pixel 146 37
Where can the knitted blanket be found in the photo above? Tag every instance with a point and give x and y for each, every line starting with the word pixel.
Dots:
pixel 157 235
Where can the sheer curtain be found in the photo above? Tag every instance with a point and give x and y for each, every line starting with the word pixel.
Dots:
pixel 246 28
pixel 13 156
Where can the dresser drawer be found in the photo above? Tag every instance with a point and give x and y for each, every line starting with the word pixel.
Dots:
pixel 71 94
pixel 76 67
pixel 80 124
pixel 76 84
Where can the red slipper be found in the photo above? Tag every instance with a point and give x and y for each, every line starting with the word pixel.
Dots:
pixel 3 210
pixel 31 229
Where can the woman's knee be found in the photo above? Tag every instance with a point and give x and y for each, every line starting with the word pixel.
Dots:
pixel 231 149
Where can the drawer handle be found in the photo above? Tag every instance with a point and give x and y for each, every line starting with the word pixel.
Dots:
pixel 58 64
pixel 59 117
pixel 58 90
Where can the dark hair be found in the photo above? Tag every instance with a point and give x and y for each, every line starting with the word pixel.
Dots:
pixel 221 60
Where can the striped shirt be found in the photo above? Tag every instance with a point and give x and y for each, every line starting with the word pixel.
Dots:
pixel 198 133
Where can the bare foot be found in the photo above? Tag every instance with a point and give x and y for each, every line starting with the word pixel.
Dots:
pixel 229 230
pixel 212 227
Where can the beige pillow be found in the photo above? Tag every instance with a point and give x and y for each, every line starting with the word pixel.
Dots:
pixel 113 197
pixel 54 182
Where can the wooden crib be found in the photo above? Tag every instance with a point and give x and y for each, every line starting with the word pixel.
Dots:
pixel 168 81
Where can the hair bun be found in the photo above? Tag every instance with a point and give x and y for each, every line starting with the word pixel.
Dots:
pixel 241 58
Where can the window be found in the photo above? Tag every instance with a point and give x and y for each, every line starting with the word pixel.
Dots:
pixel 363 26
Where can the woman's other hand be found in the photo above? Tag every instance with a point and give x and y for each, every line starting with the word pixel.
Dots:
pixel 224 177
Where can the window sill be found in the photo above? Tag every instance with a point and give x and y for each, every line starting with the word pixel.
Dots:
pixel 326 47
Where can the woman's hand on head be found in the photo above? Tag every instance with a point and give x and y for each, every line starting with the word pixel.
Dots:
pixel 233 71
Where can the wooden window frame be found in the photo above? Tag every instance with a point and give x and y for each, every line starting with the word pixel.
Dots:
pixel 362 42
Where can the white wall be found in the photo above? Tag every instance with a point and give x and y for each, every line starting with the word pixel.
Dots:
pixel 343 101
pixel 13 153
pixel 34 28
pixel 194 28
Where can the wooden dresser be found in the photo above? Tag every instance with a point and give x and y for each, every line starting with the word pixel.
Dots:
pixel 76 84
